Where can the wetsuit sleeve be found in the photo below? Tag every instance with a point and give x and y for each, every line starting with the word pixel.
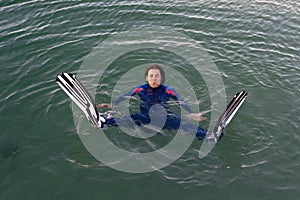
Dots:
pixel 128 94
pixel 174 95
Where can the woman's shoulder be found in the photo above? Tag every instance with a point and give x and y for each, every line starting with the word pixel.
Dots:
pixel 166 87
pixel 139 88
pixel 169 90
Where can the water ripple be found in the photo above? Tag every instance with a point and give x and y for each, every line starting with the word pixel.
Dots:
pixel 255 44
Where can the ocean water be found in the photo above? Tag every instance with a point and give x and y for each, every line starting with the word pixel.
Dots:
pixel 255 46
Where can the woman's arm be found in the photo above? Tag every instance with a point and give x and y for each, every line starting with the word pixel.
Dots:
pixel 194 116
pixel 122 98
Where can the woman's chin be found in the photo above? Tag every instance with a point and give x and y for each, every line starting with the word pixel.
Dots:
pixel 154 85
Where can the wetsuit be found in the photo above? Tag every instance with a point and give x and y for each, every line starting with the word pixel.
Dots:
pixel 154 107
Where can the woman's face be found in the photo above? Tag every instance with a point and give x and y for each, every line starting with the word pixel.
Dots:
pixel 154 78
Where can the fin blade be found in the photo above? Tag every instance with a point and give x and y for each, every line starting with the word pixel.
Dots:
pixel 226 117
pixel 69 83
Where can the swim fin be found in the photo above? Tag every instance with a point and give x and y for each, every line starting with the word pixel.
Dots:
pixel 80 96
pixel 226 117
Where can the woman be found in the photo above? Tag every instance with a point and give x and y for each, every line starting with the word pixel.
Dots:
pixel 154 94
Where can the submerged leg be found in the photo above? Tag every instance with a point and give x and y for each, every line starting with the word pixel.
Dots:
pixel 174 122
pixel 128 120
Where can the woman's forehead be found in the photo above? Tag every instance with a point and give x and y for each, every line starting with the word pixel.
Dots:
pixel 154 71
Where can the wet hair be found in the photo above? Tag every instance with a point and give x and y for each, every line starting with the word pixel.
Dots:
pixel 156 66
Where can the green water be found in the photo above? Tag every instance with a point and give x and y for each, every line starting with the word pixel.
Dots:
pixel 255 45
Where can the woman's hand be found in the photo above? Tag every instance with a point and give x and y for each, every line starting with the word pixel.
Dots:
pixel 103 105
pixel 198 116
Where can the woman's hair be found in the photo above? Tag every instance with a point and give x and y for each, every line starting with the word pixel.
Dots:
pixel 156 66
